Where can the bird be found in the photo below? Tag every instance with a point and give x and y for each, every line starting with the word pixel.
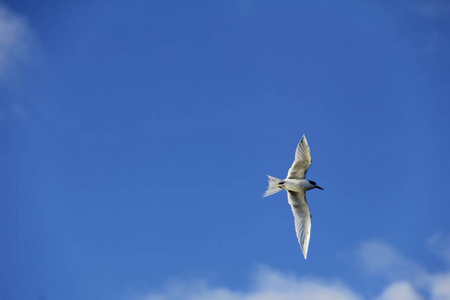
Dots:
pixel 296 185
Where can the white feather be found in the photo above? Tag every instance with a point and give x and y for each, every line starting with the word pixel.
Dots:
pixel 302 218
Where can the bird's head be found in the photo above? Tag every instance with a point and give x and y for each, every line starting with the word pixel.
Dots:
pixel 315 185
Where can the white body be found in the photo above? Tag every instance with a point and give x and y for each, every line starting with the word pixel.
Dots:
pixel 297 185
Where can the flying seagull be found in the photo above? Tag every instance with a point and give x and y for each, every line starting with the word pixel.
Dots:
pixel 296 185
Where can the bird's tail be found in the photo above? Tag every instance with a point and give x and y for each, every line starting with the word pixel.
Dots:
pixel 273 186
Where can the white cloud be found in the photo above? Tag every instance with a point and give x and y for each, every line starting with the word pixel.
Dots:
pixel 15 42
pixel 267 284
pixel 440 286
pixel 400 290
pixel 404 279
pixel 440 244
pixel 18 48
pixel 382 260
pixel 378 258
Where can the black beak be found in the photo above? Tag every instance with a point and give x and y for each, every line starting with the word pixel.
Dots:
pixel 318 187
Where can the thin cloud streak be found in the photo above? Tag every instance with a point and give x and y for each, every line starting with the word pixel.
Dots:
pixel 439 243
pixel 433 8
pixel 16 42
pixel 19 48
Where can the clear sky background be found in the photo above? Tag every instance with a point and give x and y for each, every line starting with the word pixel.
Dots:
pixel 135 135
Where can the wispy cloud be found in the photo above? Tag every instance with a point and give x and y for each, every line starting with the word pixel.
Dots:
pixel 267 284
pixel 433 8
pixel 18 48
pixel 400 290
pixel 440 286
pixel 16 42
pixel 379 259
pixel 440 244
pixel 403 275
pixel 404 279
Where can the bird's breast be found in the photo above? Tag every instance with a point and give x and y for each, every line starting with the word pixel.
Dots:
pixel 296 185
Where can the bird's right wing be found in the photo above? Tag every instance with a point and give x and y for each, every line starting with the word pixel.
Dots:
pixel 302 216
pixel 302 160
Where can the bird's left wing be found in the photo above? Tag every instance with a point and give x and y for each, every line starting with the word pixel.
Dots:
pixel 302 216
pixel 302 160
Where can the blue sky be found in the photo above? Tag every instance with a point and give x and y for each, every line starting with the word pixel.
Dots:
pixel 135 139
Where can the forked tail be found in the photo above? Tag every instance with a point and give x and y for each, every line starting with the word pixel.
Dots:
pixel 273 186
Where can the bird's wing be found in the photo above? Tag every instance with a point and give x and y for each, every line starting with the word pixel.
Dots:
pixel 302 216
pixel 302 161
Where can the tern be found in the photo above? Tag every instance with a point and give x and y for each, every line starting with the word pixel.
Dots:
pixel 296 185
